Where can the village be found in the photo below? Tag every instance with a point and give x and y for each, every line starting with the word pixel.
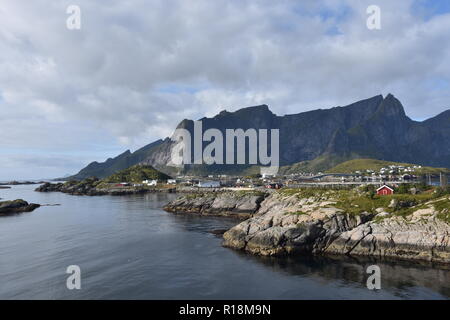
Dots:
pixel 386 179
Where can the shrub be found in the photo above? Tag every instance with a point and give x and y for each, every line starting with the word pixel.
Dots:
pixel 441 191
pixel 403 188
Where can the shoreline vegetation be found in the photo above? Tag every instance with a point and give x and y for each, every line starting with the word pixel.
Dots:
pixel 354 222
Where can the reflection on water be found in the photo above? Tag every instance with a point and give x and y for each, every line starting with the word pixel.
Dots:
pixel 400 277
pixel 128 248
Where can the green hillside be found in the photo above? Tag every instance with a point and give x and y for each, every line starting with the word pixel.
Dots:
pixel 136 174
pixel 318 164
pixel 375 165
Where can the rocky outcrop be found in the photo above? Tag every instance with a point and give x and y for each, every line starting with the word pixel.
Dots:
pixel 86 187
pixel 333 222
pixel 90 187
pixel 286 224
pixel 425 239
pixel 18 183
pixel 240 205
pixel 50 187
pixel 16 206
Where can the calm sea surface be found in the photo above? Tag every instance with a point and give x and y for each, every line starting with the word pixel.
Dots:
pixel 128 248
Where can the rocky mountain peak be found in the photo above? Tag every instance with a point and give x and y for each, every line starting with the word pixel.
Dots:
pixel 392 107
pixel 261 110
pixel 376 128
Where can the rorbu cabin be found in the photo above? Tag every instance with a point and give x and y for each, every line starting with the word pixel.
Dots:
pixel 385 191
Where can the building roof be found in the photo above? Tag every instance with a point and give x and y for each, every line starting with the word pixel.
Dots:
pixel 385 186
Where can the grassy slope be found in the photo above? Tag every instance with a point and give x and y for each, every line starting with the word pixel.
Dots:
pixel 356 202
pixel 319 164
pixel 136 174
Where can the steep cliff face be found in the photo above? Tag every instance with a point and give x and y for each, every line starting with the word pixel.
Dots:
pixel 373 128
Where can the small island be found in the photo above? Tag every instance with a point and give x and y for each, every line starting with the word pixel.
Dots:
pixel 16 206
pixel 124 182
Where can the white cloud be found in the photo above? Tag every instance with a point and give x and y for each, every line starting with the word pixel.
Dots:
pixel 137 68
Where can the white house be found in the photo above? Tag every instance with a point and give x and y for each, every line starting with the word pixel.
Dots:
pixel 171 181
pixel 150 182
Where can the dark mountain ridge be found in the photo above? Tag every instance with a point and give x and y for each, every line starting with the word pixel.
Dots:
pixel 375 128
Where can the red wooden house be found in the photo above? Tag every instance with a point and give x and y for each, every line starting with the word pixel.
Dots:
pixel 385 191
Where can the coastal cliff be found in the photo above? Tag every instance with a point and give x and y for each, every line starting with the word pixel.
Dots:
pixel 334 222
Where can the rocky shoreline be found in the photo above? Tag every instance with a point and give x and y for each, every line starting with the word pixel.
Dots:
pixel 331 223
pixel 16 206
pixel 231 204
pixel 19 183
pixel 90 187
pixel 95 187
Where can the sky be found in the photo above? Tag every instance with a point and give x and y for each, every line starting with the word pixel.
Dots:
pixel 135 69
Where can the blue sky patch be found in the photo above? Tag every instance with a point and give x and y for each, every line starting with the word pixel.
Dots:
pixel 428 9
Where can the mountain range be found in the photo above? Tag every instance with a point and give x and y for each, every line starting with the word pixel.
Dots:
pixel 376 128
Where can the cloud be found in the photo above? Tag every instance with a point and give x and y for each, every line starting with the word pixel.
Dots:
pixel 24 166
pixel 137 68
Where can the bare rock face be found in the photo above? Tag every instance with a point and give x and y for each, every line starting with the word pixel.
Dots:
pixel 279 228
pixel 319 223
pixel 425 239
pixel 16 206
pixel 241 205
pixel 372 128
